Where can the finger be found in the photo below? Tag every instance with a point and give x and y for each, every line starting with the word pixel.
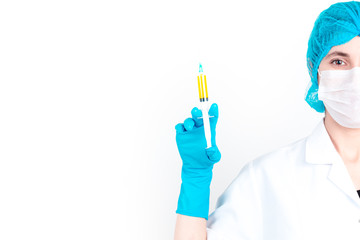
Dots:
pixel 214 110
pixel 213 154
pixel 189 124
pixel 179 128
pixel 196 113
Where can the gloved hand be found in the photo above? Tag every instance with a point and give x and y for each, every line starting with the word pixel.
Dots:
pixel 198 162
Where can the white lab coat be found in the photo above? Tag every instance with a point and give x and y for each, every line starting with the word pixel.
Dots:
pixel 301 191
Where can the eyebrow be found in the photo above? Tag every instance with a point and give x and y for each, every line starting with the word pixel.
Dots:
pixel 338 53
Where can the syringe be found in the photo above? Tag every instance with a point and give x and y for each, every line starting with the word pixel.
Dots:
pixel 204 104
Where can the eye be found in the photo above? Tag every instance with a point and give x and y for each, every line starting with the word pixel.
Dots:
pixel 337 61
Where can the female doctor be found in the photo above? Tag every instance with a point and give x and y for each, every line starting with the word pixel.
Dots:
pixel 306 190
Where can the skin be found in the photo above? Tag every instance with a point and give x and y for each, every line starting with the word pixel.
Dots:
pixel 190 228
pixel 346 140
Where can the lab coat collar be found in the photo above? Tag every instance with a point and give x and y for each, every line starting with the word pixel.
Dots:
pixel 321 150
pixel 319 147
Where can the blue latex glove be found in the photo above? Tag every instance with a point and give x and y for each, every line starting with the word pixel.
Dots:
pixel 198 163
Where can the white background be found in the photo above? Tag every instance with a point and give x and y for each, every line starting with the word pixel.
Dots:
pixel 90 93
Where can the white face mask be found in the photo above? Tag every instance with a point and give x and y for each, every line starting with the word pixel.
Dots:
pixel 340 92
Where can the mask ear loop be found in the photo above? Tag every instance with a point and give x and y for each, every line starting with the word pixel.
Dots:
pixel 319 72
pixel 318 92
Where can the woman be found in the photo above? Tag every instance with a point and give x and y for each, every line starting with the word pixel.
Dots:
pixel 309 189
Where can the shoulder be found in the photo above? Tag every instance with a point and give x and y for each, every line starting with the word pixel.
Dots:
pixel 283 158
pixel 273 167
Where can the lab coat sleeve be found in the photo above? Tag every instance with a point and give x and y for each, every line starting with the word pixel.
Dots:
pixel 238 213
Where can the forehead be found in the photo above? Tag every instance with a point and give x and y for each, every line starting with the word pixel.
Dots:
pixel 352 47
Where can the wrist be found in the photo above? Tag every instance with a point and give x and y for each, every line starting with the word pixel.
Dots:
pixel 196 174
pixel 194 200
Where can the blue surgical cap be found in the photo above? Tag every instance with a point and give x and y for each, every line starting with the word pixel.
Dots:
pixel 334 26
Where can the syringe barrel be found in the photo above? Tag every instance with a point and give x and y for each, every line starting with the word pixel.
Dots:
pixel 205 109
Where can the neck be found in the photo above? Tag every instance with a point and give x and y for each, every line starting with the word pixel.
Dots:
pixel 345 140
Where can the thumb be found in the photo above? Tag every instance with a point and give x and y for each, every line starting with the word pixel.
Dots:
pixel 213 154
